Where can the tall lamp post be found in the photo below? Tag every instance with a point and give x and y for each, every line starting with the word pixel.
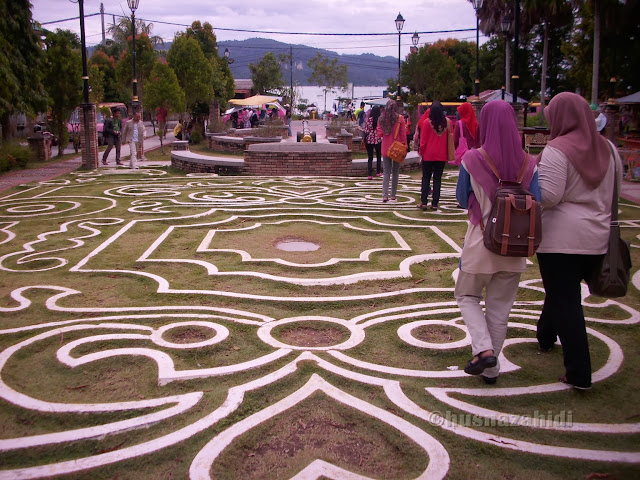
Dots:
pixel 477 5
pixel 516 37
pixel 133 5
pixel 88 125
pixel 505 26
pixel 399 25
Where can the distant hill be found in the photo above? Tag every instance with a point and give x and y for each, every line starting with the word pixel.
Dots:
pixel 364 69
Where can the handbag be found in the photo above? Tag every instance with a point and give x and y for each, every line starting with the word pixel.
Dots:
pixel 611 278
pixel 397 151
pixel 463 146
pixel 451 151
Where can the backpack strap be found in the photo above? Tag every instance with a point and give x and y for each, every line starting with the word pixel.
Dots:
pixel 493 168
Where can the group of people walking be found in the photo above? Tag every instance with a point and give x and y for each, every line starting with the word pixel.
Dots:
pixel 573 178
pixel 114 133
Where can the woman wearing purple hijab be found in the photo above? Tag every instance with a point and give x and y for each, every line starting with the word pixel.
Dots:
pixel 576 179
pixel 481 269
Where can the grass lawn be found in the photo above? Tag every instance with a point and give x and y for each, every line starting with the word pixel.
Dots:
pixel 157 325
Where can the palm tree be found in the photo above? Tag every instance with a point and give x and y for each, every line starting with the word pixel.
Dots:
pixel 122 30
pixel 549 12
pixel 491 15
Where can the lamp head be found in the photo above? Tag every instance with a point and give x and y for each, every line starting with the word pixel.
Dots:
pixel 505 25
pixel 399 22
pixel 477 4
pixel 414 39
pixel 226 53
pixel 133 5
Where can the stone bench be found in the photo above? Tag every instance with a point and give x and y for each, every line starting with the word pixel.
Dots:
pixel 180 145
pixel 233 144
pixel 191 162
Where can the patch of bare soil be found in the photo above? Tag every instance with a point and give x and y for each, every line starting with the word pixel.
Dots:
pixel 436 334
pixel 188 334
pixel 310 337
pixel 320 429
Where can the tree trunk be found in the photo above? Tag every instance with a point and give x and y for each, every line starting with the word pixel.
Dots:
pixel 596 52
pixel 507 72
pixel 543 80
pixel 5 123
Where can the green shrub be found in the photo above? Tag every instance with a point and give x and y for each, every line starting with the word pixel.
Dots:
pixel 196 134
pixel 14 155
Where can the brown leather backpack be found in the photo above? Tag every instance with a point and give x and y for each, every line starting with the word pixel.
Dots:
pixel 515 223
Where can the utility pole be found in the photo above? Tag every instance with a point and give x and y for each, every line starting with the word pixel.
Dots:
pixel 102 20
pixel 291 78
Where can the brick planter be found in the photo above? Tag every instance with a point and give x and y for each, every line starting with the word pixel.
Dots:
pixel 298 159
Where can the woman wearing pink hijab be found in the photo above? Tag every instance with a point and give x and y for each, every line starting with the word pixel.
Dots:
pixel 576 180
pixel 481 269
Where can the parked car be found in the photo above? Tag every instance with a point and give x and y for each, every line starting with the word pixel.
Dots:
pixel 74 121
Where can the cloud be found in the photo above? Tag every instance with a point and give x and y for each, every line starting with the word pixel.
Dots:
pixel 328 16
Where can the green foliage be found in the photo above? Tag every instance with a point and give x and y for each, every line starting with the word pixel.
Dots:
pixel 196 134
pixel 21 87
pixel 145 60
pixel 164 90
pixel 327 73
pixel 431 73
pixel 266 74
pixel 13 155
pixel 464 54
pixel 106 80
pixel 193 70
pixel 63 80
pixel 96 84
pixel 223 84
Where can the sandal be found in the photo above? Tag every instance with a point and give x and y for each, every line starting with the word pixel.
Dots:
pixel 481 365
pixel 385 199
pixel 563 379
pixel 422 206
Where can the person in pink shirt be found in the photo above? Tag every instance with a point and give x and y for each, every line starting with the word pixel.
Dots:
pixel 433 150
pixel 389 120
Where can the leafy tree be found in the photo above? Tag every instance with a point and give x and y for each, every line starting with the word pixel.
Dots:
pixel 328 74
pixel 431 73
pixel 62 80
pixel 145 60
pixel 96 84
pixel 223 84
pixel 164 90
pixel 266 74
pixel 464 54
pixel 193 70
pixel 21 87
pixel 106 66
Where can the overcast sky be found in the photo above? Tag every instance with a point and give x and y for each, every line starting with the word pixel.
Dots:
pixel 321 16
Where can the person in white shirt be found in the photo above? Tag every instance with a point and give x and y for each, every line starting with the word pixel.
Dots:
pixel 577 173
pixel 134 132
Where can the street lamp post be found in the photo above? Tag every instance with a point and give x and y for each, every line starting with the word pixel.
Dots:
pixel 516 37
pixel 477 5
pixel 88 125
pixel 505 26
pixel 133 5
pixel 399 25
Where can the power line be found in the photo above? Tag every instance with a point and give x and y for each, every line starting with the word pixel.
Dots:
pixel 271 32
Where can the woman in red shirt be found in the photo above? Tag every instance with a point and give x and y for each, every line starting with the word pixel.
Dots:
pixel 389 120
pixel 467 127
pixel 433 150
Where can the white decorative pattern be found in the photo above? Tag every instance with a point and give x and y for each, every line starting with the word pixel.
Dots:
pixel 236 332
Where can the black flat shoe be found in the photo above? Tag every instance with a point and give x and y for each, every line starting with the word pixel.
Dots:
pixel 564 380
pixel 490 380
pixel 481 365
